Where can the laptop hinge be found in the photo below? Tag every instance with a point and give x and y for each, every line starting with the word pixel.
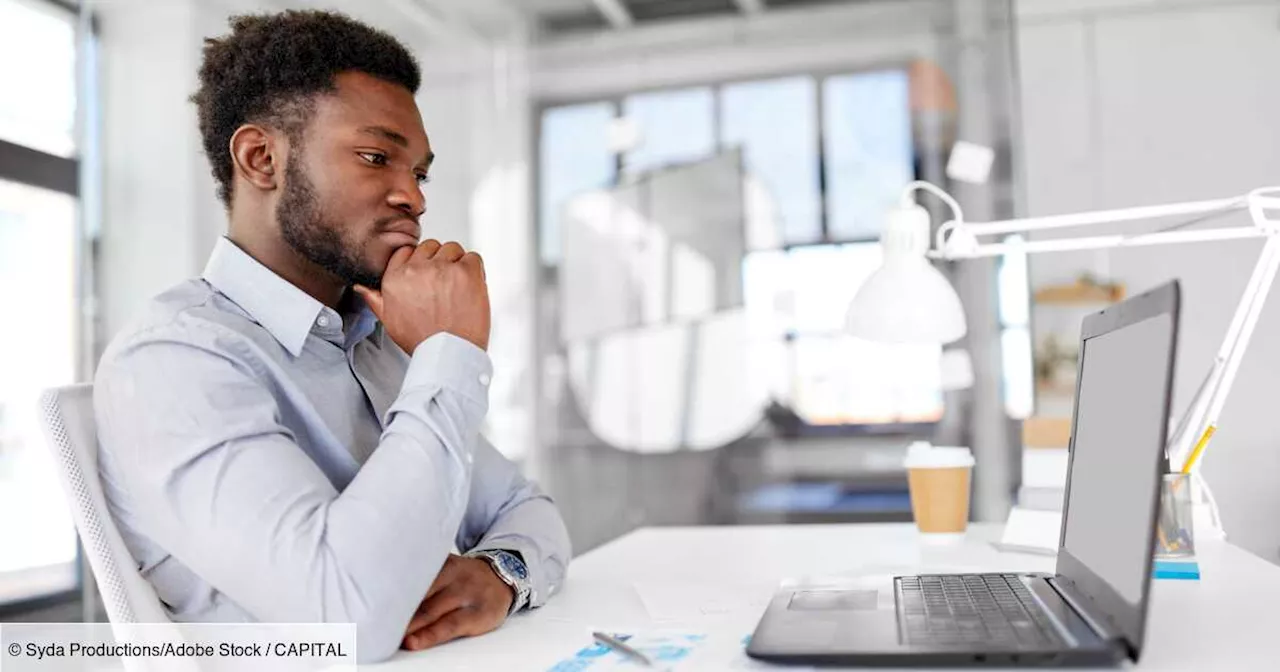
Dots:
pixel 1077 602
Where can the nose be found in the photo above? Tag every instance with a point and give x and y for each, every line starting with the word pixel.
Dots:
pixel 407 196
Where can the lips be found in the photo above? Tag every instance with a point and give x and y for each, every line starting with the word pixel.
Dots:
pixel 400 238
pixel 403 232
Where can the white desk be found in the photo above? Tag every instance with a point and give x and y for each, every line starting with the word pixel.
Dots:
pixel 717 580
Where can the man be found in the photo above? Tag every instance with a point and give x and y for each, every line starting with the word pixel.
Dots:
pixel 294 437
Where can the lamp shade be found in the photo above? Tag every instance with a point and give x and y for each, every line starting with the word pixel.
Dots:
pixel 906 300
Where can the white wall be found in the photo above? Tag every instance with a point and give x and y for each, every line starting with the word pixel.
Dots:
pixel 1130 102
pixel 153 169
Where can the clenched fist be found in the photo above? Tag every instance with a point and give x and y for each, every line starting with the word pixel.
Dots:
pixel 429 289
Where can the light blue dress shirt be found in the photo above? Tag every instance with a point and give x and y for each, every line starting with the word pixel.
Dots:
pixel 268 459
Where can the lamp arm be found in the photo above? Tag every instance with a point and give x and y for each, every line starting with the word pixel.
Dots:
pixel 1081 219
pixel 1203 412
pixel 1195 410
pixel 1257 199
pixel 1201 418
pixel 1207 407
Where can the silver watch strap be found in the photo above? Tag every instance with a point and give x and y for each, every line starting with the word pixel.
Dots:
pixel 521 587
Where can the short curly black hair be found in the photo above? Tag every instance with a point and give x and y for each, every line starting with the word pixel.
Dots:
pixel 272 66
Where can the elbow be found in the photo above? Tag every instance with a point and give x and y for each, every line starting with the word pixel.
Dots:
pixel 378 630
pixel 377 639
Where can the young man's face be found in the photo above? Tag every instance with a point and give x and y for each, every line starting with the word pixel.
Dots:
pixel 352 195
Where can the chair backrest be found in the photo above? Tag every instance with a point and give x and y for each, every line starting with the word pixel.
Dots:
pixel 67 418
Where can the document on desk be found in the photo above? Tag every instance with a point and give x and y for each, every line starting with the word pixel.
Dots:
pixel 1031 531
pixel 665 648
pixel 671 651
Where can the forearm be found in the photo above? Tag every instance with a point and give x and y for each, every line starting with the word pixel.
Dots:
pixel 534 528
pixel 508 511
pixel 388 533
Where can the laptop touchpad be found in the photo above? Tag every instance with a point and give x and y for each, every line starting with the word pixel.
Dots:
pixel 833 600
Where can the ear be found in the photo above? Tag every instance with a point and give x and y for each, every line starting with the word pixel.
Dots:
pixel 257 156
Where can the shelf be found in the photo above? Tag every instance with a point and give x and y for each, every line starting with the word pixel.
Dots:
pixel 1040 431
pixel 1079 294
pixel 1057 389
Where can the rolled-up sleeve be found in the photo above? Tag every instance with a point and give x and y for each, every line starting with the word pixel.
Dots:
pixel 220 482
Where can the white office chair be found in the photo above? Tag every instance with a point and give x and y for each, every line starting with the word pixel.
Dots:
pixel 67 418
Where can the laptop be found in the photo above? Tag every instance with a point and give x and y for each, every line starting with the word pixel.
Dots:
pixel 1093 609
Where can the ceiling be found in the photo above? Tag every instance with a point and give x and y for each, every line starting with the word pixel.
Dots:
pixel 472 20
pixel 559 17
pixel 469 20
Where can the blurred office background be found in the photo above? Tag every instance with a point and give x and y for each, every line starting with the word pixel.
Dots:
pixel 676 200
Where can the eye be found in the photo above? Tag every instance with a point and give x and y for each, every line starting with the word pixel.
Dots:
pixel 423 178
pixel 375 158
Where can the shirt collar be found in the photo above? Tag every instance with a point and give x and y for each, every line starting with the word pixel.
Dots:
pixel 283 309
pixel 364 323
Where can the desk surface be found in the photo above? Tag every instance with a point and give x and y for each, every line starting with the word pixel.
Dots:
pixel 718 580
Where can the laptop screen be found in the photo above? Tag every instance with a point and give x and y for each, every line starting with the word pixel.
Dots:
pixel 1117 455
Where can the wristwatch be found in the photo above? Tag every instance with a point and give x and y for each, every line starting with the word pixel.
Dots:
pixel 511 569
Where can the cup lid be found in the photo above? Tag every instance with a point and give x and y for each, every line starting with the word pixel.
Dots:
pixel 924 456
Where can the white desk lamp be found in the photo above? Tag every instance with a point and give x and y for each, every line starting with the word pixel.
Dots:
pixel 908 301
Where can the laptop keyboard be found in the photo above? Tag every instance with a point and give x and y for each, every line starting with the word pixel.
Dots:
pixel 957 609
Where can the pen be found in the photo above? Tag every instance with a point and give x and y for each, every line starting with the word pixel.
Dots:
pixel 619 646
pixel 1195 454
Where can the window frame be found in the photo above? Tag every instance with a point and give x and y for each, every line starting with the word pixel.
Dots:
pixel 35 168
pixel 541 105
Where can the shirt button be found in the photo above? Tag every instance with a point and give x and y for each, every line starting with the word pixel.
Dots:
pixel 323 320
pixel 485 379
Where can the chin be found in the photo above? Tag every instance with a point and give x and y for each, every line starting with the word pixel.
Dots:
pixel 378 256
pixel 369 270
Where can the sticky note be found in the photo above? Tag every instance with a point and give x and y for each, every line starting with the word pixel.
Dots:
pixel 1177 569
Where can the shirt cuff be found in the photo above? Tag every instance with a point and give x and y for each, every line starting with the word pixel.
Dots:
pixel 454 363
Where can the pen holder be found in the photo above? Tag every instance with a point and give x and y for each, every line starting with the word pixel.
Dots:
pixel 1175 537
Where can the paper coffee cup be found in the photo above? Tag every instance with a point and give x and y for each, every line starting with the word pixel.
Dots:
pixel 939 481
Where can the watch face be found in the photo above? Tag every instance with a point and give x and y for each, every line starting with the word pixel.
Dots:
pixel 513 565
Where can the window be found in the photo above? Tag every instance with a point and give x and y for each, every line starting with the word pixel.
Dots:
pixel 37 245
pixel 43 116
pixel 775 122
pixel 1015 334
pixel 40 230
pixel 574 158
pixel 825 157
pixel 867 150
pixel 674 127
pixel 801 295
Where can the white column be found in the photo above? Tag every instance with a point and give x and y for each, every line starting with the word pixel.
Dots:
pixel 159 214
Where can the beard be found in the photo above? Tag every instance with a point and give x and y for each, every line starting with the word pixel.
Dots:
pixel 318 239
